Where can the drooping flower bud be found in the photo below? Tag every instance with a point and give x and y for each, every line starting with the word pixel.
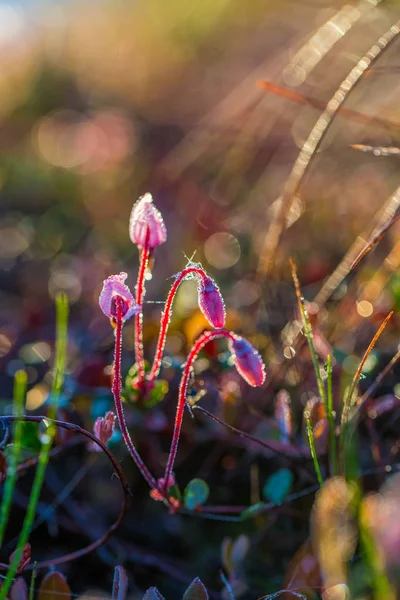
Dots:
pixel 247 361
pixel 146 224
pixel 114 287
pixel 211 302
pixel 103 428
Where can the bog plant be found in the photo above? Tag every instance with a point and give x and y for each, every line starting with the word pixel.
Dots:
pixel 147 230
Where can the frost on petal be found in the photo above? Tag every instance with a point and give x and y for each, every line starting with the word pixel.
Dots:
pixel 114 287
pixel 211 302
pixel 146 220
pixel 247 361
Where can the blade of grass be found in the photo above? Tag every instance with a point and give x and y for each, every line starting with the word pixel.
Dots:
pixel 32 583
pixel 313 453
pixel 20 383
pixel 312 144
pixel 376 238
pixel 374 563
pixel 348 403
pixel 308 333
pixel 331 420
pixel 47 438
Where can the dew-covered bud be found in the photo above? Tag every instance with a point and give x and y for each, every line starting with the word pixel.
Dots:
pixel 103 428
pixel 146 225
pixel 113 288
pixel 211 302
pixel 247 361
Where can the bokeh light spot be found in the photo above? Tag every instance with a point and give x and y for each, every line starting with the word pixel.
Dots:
pixel 222 250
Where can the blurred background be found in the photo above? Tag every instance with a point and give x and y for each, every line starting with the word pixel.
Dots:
pixel 103 101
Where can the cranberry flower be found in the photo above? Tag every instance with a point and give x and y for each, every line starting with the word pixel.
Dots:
pixel 146 225
pixel 114 287
pixel 211 302
pixel 103 429
pixel 247 361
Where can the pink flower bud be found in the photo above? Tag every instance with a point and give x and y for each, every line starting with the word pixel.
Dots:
pixel 211 302
pixel 146 222
pixel 247 361
pixel 103 429
pixel 114 287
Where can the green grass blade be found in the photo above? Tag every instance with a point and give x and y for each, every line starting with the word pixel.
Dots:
pixel 333 458
pixel 32 583
pixel 309 334
pixel 20 383
pixel 47 439
pixel 313 453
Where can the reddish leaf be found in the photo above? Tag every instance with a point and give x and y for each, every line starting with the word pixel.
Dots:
pixel 196 591
pixel 25 558
pixel 54 586
pixel 19 590
pixel 382 405
pixel 120 584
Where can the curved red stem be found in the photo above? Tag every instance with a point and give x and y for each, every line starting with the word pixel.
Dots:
pixel 116 391
pixel 166 318
pixel 206 337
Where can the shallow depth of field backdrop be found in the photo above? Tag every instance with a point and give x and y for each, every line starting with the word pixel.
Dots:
pixel 206 105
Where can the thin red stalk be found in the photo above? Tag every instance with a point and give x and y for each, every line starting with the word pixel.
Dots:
pixel 116 390
pixel 166 318
pixel 140 292
pixel 206 337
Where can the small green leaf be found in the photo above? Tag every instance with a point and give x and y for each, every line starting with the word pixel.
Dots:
pixel 196 493
pixel 155 390
pixel 278 486
pixel 196 591
pixel 175 492
pixel 156 394
pixel 253 510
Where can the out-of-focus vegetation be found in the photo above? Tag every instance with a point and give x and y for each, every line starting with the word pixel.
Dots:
pixel 207 106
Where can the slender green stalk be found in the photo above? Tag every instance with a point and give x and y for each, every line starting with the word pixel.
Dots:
pixel 20 382
pixel 380 583
pixel 32 583
pixel 331 420
pixel 47 439
pixel 313 453
pixel 309 334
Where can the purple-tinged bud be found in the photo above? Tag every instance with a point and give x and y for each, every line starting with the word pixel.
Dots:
pixel 103 429
pixel 211 302
pixel 114 287
pixel 247 361
pixel 146 224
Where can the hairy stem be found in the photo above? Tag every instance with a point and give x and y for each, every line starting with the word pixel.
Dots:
pixel 166 318
pixel 140 292
pixel 116 391
pixel 206 337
